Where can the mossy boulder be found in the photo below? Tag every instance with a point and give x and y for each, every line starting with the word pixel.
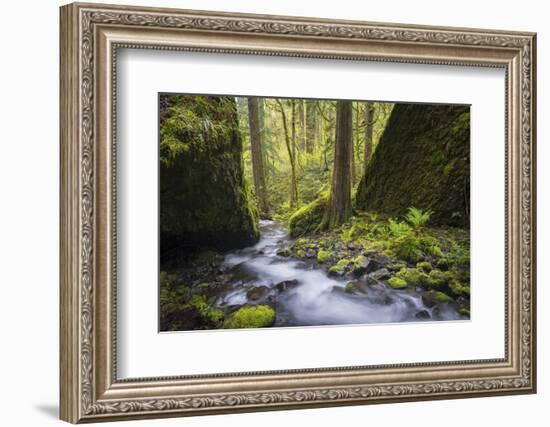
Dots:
pixel 259 316
pixel 425 266
pixel 458 288
pixel 432 298
pixel 323 256
pixel 204 198
pixel 397 283
pixel 308 218
pixel 438 278
pixel 337 270
pixel 413 276
pixel 422 160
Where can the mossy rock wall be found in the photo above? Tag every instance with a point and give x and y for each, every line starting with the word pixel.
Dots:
pixel 205 201
pixel 422 160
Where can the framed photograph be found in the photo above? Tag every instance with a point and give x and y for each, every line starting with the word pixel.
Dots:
pixel 266 212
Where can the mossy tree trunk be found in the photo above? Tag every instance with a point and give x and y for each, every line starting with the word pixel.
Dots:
pixel 311 125
pixel 290 146
pixel 369 122
pixel 257 156
pixel 339 204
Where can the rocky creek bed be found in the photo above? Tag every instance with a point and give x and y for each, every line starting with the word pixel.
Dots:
pixel 318 280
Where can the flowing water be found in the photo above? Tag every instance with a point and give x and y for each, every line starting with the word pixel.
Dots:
pixel 303 293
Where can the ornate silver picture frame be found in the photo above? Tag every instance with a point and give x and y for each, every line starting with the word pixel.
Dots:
pixel 91 34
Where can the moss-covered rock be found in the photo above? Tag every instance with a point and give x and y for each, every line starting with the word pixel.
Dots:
pixel 259 316
pixel 438 278
pixel 432 298
pixel 458 289
pixel 413 276
pixel 425 266
pixel 464 311
pixel 308 218
pixel 356 287
pixel 397 283
pixel 204 198
pixel 337 270
pixel 422 160
pixel 323 256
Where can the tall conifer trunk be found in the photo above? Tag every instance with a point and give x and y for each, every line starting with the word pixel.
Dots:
pixel 257 156
pixel 369 112
pixel 339 203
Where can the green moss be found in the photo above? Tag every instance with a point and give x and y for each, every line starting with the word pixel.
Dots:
pixel 323 256
pixel 167 281
pixel 286 252
pixel 424 266
pixel 308 218
pixel 300 253
pixel 251 317
pixel 338 268
pixel 397 283
pixel 205 200
pixel 464 311
pixel 428 147
pixel 443 263
pixel 458 288
pixel 432 298
pixel 344 262
pixel 413 276
pixel 442 298
pixel 361 259
pixel 438 278
pixel 203 287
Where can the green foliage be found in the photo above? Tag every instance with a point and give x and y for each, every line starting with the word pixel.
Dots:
pixel 308 218
pixel 458 288
pixel 438 278
pixel 176 300
pixel 258 316
pixel 206 311
pixel 397 283
pixel 348 233
pixel 398 229
pixel 418 218
pixel 406 247
pixel 425 266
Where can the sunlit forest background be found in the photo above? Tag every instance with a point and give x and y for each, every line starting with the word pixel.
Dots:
pixel 297 212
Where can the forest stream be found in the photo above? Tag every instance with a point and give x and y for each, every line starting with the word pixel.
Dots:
pixel 305 294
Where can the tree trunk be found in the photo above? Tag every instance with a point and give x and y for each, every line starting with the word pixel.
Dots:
pixel 311 125
pixel 289 147
pixel 369 121
pixel 339 202
pixel 257 156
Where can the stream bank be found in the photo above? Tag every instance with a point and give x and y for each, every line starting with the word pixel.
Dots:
pixel 318 280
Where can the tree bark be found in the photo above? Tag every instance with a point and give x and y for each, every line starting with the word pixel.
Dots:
pixel 311 126
pixel 369 121
pixel 257 156
pixel 339 203
pixel 291 156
